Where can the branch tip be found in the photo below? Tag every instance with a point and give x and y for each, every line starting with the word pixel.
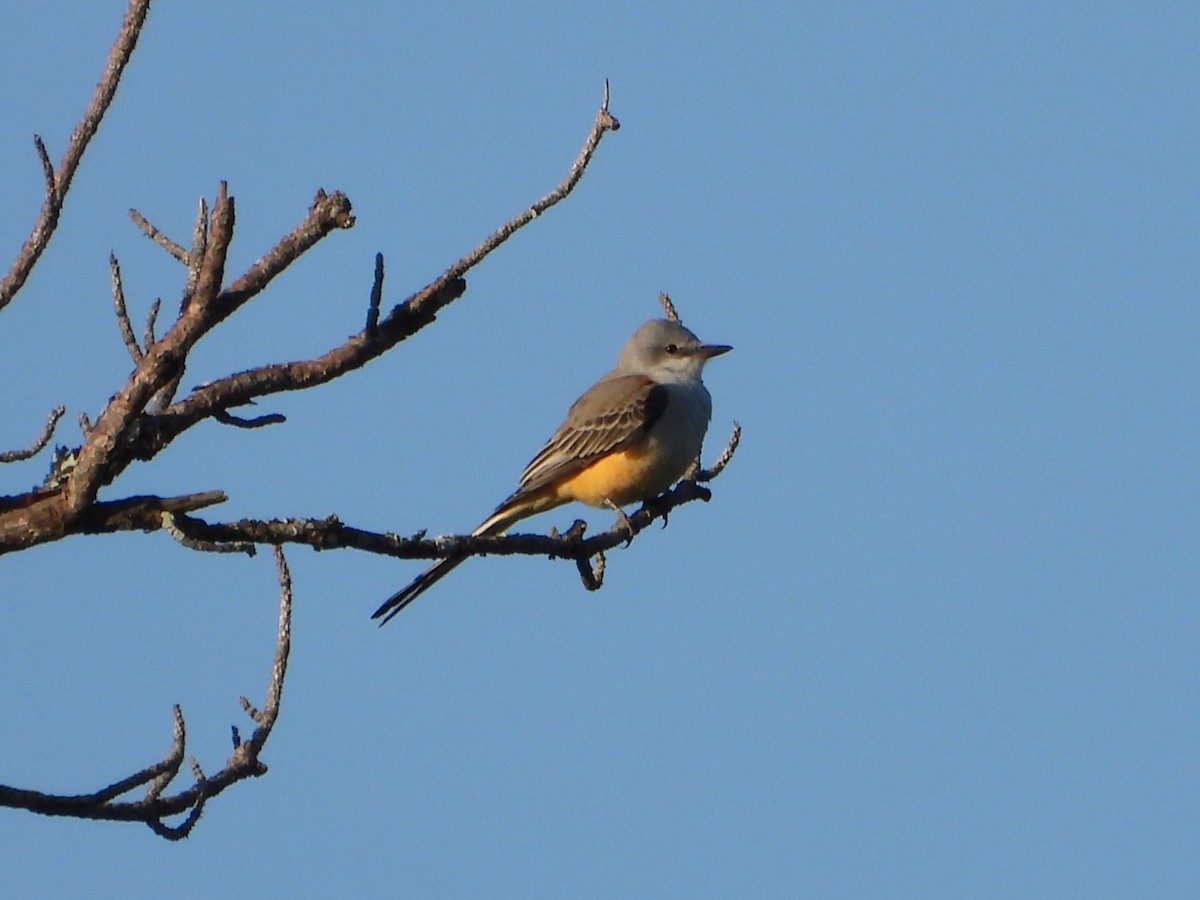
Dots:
pixel 58 181
pixel 227 418
pixel 39 442
pixel 722 461
pixel 123 323
pixel 47 171
pixel 424 304
pixel 148 338
pixel 376 296
pixel 155 805
pixel 158 237
pixel 669 307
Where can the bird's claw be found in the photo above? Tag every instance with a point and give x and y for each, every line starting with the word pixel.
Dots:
pixel 622 523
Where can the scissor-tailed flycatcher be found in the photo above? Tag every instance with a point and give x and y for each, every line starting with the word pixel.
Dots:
pixel 626 440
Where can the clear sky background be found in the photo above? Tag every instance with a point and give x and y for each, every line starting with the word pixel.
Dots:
pixel 936 633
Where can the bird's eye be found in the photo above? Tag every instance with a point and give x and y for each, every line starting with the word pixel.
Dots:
pixel 672 349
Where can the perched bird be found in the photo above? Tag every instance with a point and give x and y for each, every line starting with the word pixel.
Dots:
pixel 630 436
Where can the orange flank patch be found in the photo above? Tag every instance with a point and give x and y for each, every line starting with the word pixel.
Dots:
pixel 624 477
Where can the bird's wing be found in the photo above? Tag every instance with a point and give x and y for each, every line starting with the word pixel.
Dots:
pixel 611 415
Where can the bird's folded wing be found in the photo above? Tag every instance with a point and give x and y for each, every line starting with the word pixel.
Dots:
pixel 613 414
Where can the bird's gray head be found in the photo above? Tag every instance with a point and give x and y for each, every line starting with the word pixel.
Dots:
pixel 666 351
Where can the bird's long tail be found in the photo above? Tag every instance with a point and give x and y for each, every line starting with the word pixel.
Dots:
pixel 515 508
pixel 415 588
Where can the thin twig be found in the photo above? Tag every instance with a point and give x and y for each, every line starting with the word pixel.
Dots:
pixel 196 256
pixel 328 213
pixel 169 526
pixel 404 320
pixel 668 307
pixel 243 763
pixel 283 647
pixel 148 339
pixel 376 296
pixel 59 181
pixel 169 767
pixel 227 418
pixel 205 271
pixel 180 253
pixel 118 292
pixel 603 123
pixel 167 394
pixel 40 443
pixel 723 460
pixel 591 572
pixel 184 828
pixel 48 176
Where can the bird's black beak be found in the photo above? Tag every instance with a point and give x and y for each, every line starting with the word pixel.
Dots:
pixel 708 351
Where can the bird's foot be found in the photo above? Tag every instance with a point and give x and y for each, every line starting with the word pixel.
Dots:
pixel 622 522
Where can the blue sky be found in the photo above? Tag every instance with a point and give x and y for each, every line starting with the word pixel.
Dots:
pixel 935 634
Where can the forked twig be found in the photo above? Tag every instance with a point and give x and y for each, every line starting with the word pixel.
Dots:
pixel 58 181
pixel 105 804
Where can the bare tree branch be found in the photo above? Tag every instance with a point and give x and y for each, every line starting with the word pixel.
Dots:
pixel 142 513
pixel 376 296
pixel 59 182
pixel 158 237
pixel 423 305
pixel 330 533
pixel 143 417
pixel 591 570
pixel 118 291
pixel 668 307
pixel 195 258
pixel 154 807
pixel 52 195
pixel 171 528
pixel 195 262
pixel 148 338
pixel 378 336
pixel 205 306
pixel 157 368
pixel 593 575
pixel 127 429
pixel 227 418
pixel 328 213
pixel 726 455
pixel 39 444
pixel 283 648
